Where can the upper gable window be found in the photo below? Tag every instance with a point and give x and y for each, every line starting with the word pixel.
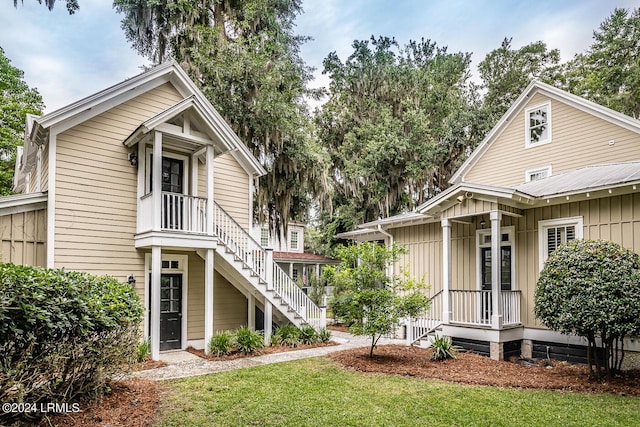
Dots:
pixel 538 173
pixel 294 240
pixel 538 125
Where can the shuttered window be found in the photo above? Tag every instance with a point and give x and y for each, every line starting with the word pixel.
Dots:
pixel 559 235
pixel 553 233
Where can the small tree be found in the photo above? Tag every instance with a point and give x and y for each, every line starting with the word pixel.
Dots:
pixel 369 300
pixel 592 289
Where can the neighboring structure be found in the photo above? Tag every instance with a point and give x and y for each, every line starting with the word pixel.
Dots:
pixel 288 252
pixel 87 174
pixel 556 167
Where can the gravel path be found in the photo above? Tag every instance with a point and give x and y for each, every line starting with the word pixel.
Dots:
pixel 192 367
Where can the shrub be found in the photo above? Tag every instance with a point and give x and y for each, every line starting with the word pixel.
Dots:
pixel 443 348
pixel 248 340
pixel 366 298
pixel 287 334
pixel 144 350
pixel 63 335
pixel 592 289
pixel 221 343
pixel 308 335
pixel 324 335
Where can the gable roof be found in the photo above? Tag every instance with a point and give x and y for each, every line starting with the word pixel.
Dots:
pixel 515 109
pixel 39 128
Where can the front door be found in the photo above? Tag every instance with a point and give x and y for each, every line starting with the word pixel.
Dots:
pixel 173 187
pixel 170 311
pixel 505 276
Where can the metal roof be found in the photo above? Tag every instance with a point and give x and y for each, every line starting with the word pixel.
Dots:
pixel 583 179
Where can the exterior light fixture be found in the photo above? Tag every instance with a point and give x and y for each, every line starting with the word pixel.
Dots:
pixel 482 222
pixel 133 159
pixel 131 279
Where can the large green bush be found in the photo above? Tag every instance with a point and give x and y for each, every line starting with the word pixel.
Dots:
pixel 592 289
pixel 63 334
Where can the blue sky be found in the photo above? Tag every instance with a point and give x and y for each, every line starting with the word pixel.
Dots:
pixel 70 57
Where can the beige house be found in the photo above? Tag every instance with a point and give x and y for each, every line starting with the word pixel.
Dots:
pixel 87 202
pixel 289 254
pixel 556 167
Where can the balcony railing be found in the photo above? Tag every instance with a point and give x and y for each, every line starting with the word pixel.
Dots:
pixel 475 307
pixel 178 212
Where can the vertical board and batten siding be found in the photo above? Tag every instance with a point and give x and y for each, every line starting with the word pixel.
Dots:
pixel 229 304
pixel 96 189
pixel 23 238
pixel 578 139
pixel 423 259
pixel 230 187
pixel 614 218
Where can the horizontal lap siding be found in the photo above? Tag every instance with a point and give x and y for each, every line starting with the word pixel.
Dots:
pixel 229 305
pixel 22 238
pixel 96 189
pixel 614 218
pixel 578 139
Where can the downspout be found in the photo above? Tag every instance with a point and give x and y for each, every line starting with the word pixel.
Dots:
pixel 390 240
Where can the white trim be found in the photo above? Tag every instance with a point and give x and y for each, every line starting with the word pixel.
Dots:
pixel 529 172
pixel 39 169
pixel 51 202
pixel 480 233
pixel 185 170
pixel 183 269
pixel 577 221
pixel 527 122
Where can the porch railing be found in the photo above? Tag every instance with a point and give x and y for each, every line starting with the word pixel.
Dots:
pixel 475 307
pixel 178 212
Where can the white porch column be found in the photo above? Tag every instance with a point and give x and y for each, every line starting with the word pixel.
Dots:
pixel 291 270
pixel 156 271
pixel 446 270
pixel 496 301
pixel 317 271
pixel 268 268
pixel 268 320
pixel 208 298
pixel 157 180
pixel 251 312
pixel 210 185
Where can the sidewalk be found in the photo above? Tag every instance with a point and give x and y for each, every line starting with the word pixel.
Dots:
pixel 183 364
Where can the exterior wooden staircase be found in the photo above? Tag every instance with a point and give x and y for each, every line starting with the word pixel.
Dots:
pixel 255 264
pixel 426 325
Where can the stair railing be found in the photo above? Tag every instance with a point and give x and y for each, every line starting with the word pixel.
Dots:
pixel 255 258
pixel 427 322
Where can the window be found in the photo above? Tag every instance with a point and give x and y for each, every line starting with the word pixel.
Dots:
pixel 294 240
pixel 264 237
pixel 294 274
pixel 536 174
pixel 538 125
pixel 552 233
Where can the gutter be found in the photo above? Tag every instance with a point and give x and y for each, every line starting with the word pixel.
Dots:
pixel 390 237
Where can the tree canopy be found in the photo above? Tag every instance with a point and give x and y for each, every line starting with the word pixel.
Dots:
pixel 72 5
pixel 17 100
pixel 396 124
pixel 245 58
pixel 609 72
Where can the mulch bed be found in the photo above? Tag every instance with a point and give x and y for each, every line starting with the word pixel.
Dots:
pixel 132 402
pixel 265 350
pixel 470 368
pixel 149 364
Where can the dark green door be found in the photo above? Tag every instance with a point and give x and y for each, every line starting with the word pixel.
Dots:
pixel 170 311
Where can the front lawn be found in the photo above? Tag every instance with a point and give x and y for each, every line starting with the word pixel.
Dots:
pixel 318 392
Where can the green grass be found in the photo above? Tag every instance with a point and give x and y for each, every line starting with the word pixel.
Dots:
pixel 317 392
